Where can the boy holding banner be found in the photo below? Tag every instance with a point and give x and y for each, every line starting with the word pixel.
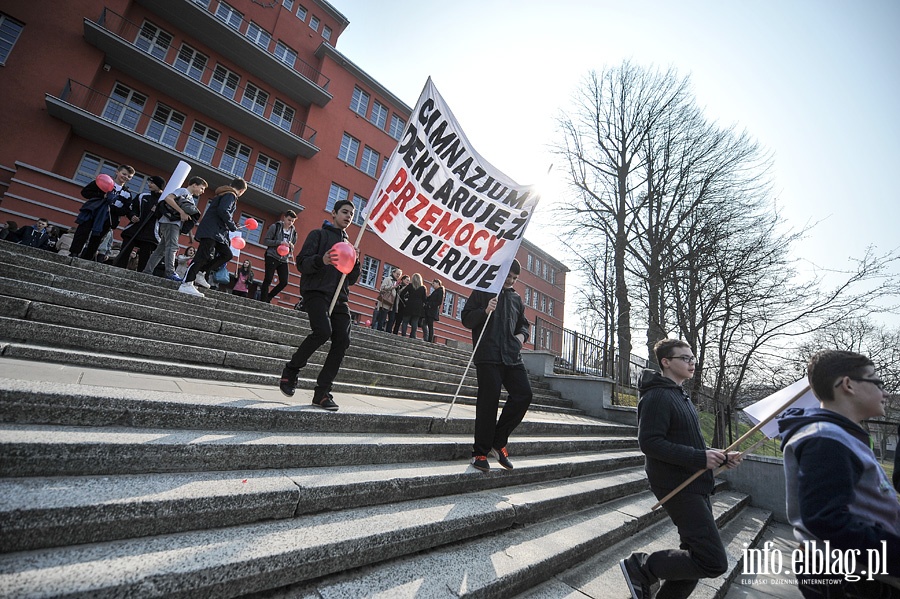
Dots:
pixel 839 499
pixel 670 437
pixel 318 285
pixel 499 322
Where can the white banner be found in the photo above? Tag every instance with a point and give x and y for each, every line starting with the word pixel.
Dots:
pixel 440 203
pixel 764 407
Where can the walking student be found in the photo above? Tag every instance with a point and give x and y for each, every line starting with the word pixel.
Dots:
pixel 212 232
pixel 318 283
pixel 498 363
pixel 171 215
pixel 94 218
pixel 280 233
pixel 670 438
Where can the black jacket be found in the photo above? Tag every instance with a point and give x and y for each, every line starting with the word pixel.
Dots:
pixel 144 207
pixel 498 344
pixel 414 300
pixel 218 219
pixel 434 303
pixel 318 277
pixel 275 237
pixel 669 436
pixel 31 237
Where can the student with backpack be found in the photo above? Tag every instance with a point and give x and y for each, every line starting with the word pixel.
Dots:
pixel 279 234
pixel 172 217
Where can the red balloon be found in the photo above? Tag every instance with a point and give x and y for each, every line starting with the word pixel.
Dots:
pixel 238 243
pixel 369 322
pixel 283 249
pixel 251 224
pixel 343 257
pixel 105 183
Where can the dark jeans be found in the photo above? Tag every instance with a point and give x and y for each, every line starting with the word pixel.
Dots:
pixel 392 317
pixel 273 266
pixel 335 327
pixel 413 321
pixel 491 433
pixel 83 234
pixel 145 248
pixel 210 257
pixel 701 553
pixel 395 327
pixel 428 328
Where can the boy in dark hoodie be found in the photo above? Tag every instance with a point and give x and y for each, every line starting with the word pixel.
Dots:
pixel 836 489
pixel 318 284
pixel 670 438
pixel 212 232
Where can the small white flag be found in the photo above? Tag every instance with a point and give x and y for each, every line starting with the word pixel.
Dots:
pixel 765 408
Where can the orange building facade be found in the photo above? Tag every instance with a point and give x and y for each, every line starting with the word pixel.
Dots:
pixel 239 88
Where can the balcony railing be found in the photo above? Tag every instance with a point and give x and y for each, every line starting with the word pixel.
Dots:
pixel 129 115
pixel 167 54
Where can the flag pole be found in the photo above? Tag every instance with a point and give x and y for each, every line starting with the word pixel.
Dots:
pixel 743 438
pixel 469 364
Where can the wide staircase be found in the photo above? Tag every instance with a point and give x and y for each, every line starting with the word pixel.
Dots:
pixel 172 467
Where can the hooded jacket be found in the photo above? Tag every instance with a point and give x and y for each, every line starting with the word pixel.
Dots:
pixel 669 436
pixel 836 489
pixel 318 277
pixel 498 344
pixel 218 219
pixel 275 236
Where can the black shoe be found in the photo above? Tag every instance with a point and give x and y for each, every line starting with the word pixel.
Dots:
pixel 326 402
pixel 502 457
pixel 288 384
pixel 479 462
pixel 635 579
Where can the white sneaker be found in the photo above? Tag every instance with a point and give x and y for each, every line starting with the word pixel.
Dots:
pixel 190 290
pixel 201 280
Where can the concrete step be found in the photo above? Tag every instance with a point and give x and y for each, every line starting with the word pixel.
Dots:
pixel 40 402
pixel 41 512
pixel 42 450
pixel 600 577
pixel 237 560
pixel 127 364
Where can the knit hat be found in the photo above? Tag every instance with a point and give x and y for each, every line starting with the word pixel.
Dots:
pixel 158 181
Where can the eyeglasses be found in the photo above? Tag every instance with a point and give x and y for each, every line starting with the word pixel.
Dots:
pixel 877 382
pixel 691 360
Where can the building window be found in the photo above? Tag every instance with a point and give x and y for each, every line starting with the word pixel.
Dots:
pixel 201 143
pixel 254 99
pixel 545 272
pixel 165 126
pixel 335 195
pixel 550 307
pixel 285 54
pixel 124 107
pixel 460 304
pixel 282 115
pixel 397 126
pixel 225 81
pixel 203 3
pixel 359 103
pixel 288 4
pixel 265 172
pixel 190 62
pixel 553 276
pixel 301 12
pixel 259 36
pixel 447 307
pixel 535 298
pixel 153 40
pixel 91 166
pixel 369 163
pixel 236 158
pixel 527 296
pixel 10 29
pixel 314 23
pixel 368 274
pixel 231 17
pixel 248 235
pixel 349 149
pixel 359 207
pixel 543 303
pixel 387 270
pixel 530 264
pixel 379 114
pixel 326 33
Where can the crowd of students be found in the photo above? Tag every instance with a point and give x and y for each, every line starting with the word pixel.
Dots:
pixel 404 304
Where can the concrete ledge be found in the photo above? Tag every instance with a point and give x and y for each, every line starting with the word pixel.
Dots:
pixel 761 477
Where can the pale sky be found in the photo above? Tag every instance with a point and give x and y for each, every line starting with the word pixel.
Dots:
pixel 816 82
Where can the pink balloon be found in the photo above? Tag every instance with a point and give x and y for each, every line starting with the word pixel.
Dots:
pixel 251 224
pixel 345 257
pixel 283 249
pixel 369 322
pixel 238 243
pixel 105 183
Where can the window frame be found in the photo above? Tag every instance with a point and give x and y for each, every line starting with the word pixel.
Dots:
pixel 240 150
pixel 368 162
pixel 268 177
pixel 396 131
pixel 356 101
pixel 367 272
pixel 228 75
pixel 165 125
pixel 203 142
pixel 349 146
pixel 5 53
